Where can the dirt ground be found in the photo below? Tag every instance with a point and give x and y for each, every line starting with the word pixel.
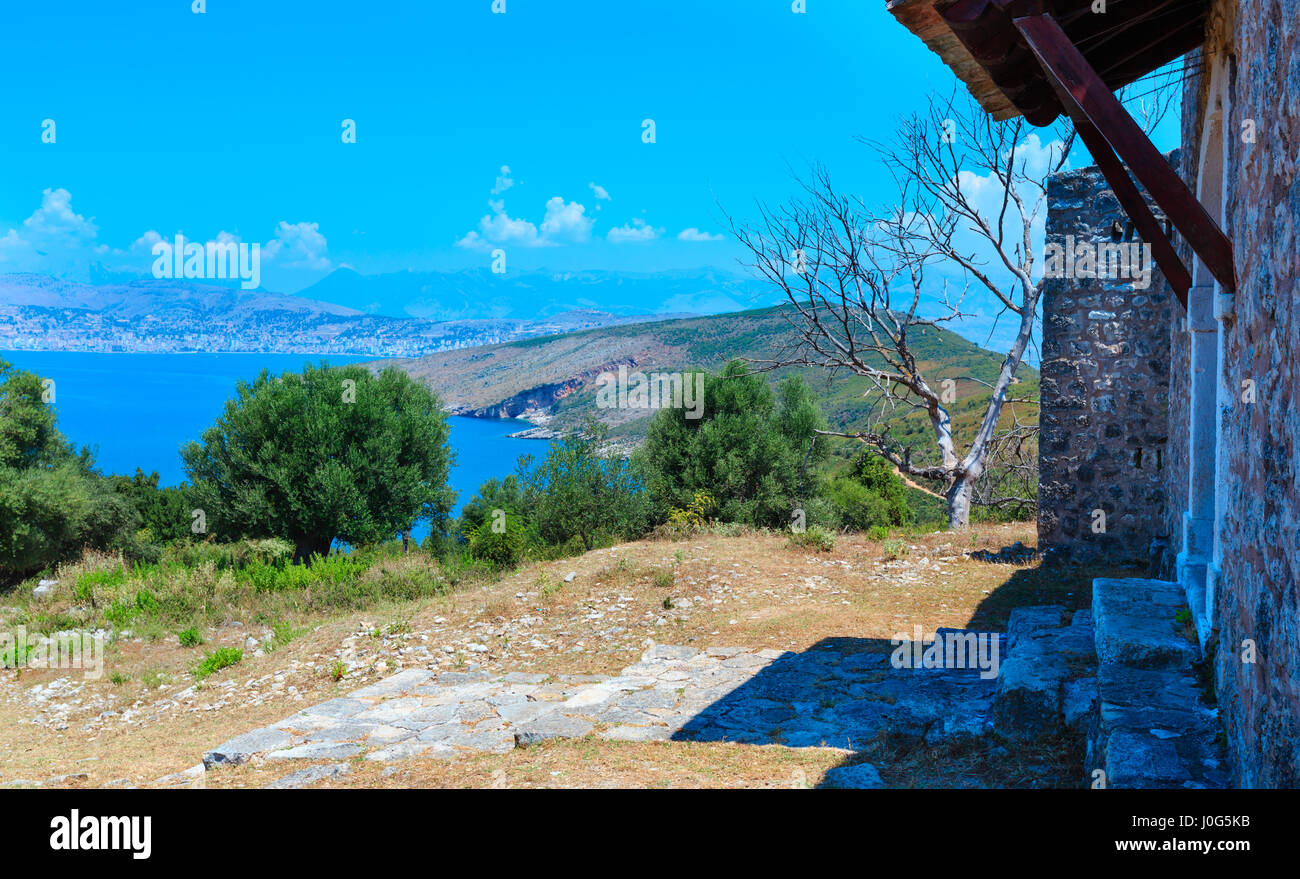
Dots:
pixel 144 719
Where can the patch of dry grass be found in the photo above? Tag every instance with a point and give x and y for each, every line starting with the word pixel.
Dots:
pixel 750 590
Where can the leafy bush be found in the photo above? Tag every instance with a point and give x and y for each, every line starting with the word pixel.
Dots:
pixel 895 548
pixel 164 512
pixel 189 637
pixel 857 507
pixel 97 582
pixel 815 537
pixel 750 450
pixel 506 495
pixel 695 516
pixel 53 503
pixel 504 547
pixel 577 495
pixel 222 657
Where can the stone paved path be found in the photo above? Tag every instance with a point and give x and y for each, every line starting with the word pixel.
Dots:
pixel 834 694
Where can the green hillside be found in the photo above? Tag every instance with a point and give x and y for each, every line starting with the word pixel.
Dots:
pixel 556 376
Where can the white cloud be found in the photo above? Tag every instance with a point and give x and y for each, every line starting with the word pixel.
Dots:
pixel 637 230
pixel 54 235
pixel 56 240
pixel 600 192
pixel 565 222
pixel 693 234
pixel 504 181
pixel 295 245
pixel 500 228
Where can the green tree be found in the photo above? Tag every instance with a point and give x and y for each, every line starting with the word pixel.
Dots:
pixel 494 494
pixel 751 449
pixel 325 454
pixel 876 475
pixel 164 511
pixel 575 492
pixel 52 501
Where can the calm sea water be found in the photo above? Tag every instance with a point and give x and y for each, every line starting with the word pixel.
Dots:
pixel 136 410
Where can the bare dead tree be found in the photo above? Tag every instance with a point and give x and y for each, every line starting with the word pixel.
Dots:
pixel 863 286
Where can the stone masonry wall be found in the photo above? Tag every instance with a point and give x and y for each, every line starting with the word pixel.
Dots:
pixel 1105 380
pixel 1257 596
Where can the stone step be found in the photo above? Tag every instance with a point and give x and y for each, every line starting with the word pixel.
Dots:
pixel 1152 727
pixel 1048 679
pixel 1136 624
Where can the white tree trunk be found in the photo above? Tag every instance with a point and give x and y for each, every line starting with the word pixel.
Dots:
pixel 958 497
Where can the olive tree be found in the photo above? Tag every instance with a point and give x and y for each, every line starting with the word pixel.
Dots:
pixel 322 455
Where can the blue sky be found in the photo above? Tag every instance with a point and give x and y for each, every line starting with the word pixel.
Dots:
pixel 229 122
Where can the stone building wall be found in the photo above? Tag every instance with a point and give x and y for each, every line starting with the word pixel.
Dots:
pixel 1258 519
pixel 1105 388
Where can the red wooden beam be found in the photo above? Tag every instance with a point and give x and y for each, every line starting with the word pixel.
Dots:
pixel 1135 206
pixel 1089 102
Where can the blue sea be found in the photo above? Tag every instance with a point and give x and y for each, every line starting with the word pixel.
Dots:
pixel 136 410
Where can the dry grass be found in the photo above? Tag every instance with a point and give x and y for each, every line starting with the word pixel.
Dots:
pixel 747 591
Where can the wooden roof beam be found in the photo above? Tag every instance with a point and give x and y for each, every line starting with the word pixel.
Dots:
pixel 1091 103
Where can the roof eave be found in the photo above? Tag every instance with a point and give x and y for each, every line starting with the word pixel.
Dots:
pixel 919 17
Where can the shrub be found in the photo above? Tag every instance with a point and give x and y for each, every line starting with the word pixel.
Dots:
pixel 501 544
pixel 189 637
pixel 694 517
pixel 857 507
pixel 222 657
pixel 815 537
pixel 97 582
pixel 577 495
pixel 749 451
pixel 894 549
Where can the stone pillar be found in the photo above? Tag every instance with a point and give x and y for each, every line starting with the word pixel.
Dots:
pixel 1105 386
pixel 1198 518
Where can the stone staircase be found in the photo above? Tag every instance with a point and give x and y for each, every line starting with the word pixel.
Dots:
pixel 1124 675
pixel 1152 728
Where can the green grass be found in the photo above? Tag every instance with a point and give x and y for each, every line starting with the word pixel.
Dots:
pixel 196 586
pixel 222 657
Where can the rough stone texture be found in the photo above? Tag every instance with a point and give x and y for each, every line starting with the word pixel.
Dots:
pixel 310 775
pixel 1105 385
pixel 861 776
pixel 1034 695
pixel 240 748
pixel 1257 595
pixel 1136 624
pixel 1151 728
pixel 831 695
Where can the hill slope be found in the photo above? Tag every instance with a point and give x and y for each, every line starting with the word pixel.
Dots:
pixel 551 380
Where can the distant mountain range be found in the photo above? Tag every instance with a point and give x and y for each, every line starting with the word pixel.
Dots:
pixel 479 294
pixel 394 315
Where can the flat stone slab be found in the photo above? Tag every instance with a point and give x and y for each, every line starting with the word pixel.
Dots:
pixel 310 775
pixel 1153 728
pixel 862 776
pixel 823 697
pixel 241 748
pixel 1136 624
